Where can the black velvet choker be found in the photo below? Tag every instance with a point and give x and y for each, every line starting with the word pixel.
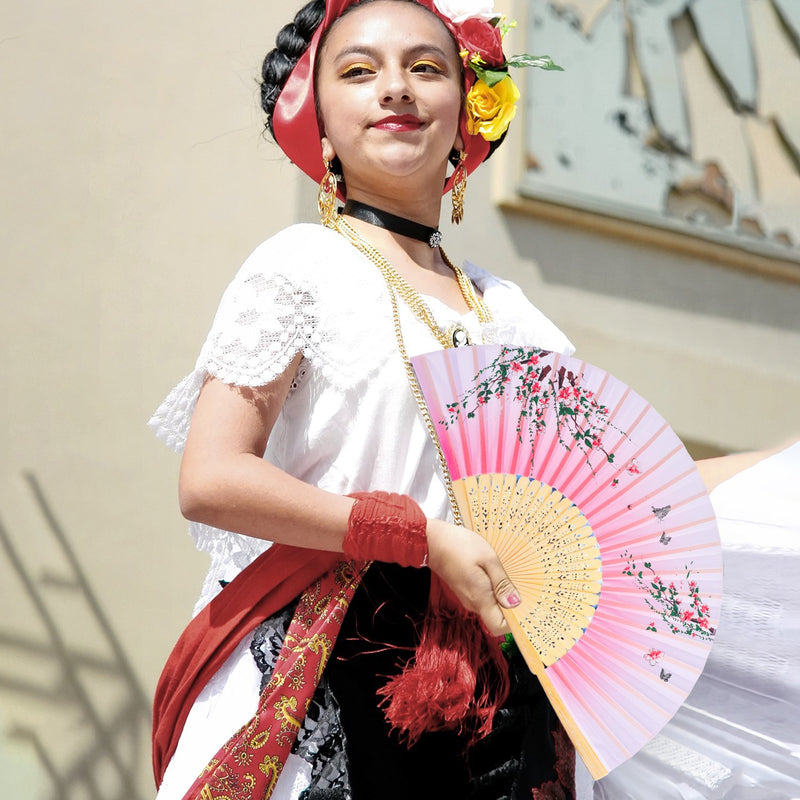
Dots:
pixel 383 219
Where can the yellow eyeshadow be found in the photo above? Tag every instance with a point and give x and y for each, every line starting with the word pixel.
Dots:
pixel 357 65
pixel 425 63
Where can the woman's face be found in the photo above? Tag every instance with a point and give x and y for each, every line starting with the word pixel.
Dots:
pixel 389 94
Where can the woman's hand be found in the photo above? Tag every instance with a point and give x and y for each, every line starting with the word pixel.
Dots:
pixel 471 569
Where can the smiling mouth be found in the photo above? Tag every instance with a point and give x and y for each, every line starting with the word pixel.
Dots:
pixel 406 122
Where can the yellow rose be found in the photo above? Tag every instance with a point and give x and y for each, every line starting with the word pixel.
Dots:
pixel 490 109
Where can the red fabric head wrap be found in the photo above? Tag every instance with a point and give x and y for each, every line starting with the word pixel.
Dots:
pixel 294 119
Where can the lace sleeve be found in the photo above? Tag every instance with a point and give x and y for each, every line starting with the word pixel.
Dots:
pixel 264 319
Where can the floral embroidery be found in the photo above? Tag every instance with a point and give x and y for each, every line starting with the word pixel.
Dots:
pixel 285 699
pixel 581 421
pixel 229 784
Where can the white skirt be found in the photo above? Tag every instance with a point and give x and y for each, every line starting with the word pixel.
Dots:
pixel 228 701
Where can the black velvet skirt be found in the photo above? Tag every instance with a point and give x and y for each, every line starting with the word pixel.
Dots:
pixel 526 755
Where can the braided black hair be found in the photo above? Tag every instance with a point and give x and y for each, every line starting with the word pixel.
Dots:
pixel 290 44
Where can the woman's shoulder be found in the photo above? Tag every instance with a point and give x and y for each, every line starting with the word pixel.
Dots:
pixel 305 289
pixel 517 319
pixel 306 236
pixel 303 251
pixel 489 282
pixel 310 262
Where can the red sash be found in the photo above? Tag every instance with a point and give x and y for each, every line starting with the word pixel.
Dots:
pixel 262 589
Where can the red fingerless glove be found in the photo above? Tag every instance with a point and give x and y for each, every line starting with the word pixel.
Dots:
pixel 386 527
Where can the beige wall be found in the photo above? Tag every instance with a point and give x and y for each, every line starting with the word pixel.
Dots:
pixel 136 179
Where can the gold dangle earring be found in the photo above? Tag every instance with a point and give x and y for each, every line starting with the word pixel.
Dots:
pixel 326 198
pixel 459 187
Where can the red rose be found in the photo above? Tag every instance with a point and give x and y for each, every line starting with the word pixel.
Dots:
pixel 479 37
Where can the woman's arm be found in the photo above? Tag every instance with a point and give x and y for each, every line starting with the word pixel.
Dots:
pixel 715 471
pixel 225 482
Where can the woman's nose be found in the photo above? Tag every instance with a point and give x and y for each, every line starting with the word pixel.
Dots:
pixel 395 86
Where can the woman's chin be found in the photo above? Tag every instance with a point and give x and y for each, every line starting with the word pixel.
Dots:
pixel 393 172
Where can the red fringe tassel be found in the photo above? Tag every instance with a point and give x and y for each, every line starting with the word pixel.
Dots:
pixel 456 681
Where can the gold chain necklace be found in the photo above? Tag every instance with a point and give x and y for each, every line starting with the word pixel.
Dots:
pixel 416 391
pixel 397 285
pixel 456 334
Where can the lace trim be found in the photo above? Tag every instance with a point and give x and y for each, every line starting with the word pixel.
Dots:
pixel 170 422
pixel 262 323
pixel 260 328
pixel 230 553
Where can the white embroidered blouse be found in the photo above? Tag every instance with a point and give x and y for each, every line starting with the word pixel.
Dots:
pixel 350 422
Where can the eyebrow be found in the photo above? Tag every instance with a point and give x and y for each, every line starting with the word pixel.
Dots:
pixel 374 52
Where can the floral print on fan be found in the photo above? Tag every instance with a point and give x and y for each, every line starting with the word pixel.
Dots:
pixel 680 608
pixel 581 420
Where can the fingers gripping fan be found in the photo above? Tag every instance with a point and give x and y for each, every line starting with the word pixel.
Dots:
pixel 602 522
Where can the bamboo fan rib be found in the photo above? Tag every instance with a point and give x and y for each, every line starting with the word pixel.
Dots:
pixel 601 521
pixel 549 553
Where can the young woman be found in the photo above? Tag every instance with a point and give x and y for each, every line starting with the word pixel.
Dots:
pixel 309 474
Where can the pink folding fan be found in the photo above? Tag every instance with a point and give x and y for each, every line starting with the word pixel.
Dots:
pixel 602 522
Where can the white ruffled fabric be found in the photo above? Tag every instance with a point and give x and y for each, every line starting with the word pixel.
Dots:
pixel 349 423
pixel 737 737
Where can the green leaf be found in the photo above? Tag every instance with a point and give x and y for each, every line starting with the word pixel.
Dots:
pixel 491 77
pixel 526 60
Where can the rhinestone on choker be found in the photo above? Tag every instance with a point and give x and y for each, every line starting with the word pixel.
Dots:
pixel 391 222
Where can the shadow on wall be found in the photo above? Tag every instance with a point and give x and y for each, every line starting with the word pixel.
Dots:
pixel 68 688
pixel 578 258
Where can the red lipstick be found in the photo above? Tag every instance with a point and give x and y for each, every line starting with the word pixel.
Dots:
pixel 399 122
